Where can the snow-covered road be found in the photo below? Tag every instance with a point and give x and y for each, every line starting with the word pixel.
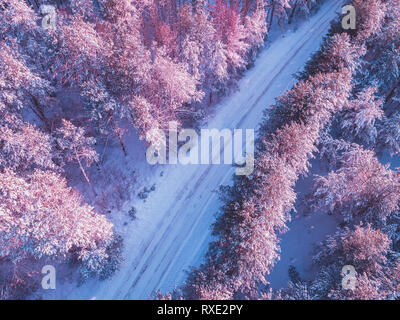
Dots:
pixel 173 226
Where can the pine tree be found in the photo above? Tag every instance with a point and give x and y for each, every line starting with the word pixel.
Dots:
pixel 365 249
pixel 370 16
pixel 43 217
pixel 74 146
pixel 362 186
pixel 358 120
pixel 23 147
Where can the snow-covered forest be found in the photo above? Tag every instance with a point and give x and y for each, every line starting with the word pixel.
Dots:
pixel 80 101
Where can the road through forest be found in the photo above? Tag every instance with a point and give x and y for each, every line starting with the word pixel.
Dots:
pixel 173 228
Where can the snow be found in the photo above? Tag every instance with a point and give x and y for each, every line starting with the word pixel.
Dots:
pixel 172 229
pixel 306 231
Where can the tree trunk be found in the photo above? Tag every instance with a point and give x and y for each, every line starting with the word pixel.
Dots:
pixel 271 17
pixel 38 110
pixel 118 134
pixel 85 175
pixel 293 11
pixel 121 143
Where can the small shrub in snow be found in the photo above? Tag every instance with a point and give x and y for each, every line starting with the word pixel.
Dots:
pixel 143 194
pixel 294 275
pixel 102 261
pixel 132 213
